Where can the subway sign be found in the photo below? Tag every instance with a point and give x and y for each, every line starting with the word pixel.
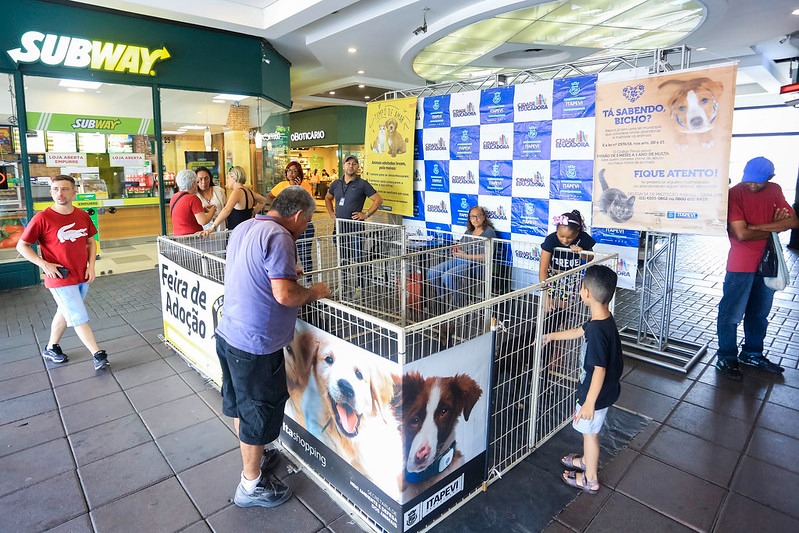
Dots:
pixel 60 50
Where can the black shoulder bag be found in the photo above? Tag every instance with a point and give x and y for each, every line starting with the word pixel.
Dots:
pixel 768 265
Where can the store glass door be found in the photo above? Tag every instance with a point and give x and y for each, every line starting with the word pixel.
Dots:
pixel 102 135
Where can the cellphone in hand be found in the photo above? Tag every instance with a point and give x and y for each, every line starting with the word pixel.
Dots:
pixel 64 271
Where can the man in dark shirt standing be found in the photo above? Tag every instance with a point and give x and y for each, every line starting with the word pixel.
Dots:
pixel 350 194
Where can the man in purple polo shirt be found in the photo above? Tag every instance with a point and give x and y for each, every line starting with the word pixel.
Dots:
pixel 261 300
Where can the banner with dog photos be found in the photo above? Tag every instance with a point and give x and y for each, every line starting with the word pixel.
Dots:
pixel 524 152
pixel 663 151
pixel 388 165
pixel 366 424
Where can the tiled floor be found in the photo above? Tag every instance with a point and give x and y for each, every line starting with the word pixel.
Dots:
pixel 144 447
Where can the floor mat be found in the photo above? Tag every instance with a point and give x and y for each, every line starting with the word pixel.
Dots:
pixel 528 497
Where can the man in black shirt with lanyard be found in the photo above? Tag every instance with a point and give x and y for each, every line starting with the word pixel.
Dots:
pixel 350 194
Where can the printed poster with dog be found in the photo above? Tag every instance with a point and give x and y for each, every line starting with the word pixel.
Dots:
pixel 403 443
pixel 663 151
pixel 389 139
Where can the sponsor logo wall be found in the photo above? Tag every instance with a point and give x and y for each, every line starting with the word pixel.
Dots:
pixel 524 152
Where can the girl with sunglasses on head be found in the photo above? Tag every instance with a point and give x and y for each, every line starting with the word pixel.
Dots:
pixel 467 259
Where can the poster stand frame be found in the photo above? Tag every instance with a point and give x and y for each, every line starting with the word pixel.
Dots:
pixel 649 342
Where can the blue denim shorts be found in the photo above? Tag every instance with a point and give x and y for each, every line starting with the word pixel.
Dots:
pixel 70 303
pixel 590 427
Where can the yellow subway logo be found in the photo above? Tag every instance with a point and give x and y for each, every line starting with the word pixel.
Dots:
pixel 60 50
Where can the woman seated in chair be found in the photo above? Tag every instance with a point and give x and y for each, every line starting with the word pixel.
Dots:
pixel 449 277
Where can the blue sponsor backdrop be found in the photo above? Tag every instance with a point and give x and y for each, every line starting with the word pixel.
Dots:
pixel 532 140
pixel 530 110
pixel 464 142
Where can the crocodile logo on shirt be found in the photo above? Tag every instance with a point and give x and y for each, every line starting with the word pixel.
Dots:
pixel 66 233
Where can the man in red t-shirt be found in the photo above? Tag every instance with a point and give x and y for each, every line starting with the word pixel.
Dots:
pixel 187 211
pixel 755 208
pixel 66 237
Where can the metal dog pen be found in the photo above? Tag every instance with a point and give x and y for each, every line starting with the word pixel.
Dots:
pixel 394 312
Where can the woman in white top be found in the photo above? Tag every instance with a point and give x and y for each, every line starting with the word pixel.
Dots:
pixel 210 194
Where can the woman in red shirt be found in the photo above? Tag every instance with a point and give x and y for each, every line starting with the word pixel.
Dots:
pixel 188 213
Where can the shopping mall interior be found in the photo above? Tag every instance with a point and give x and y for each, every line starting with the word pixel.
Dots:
pixel 123 94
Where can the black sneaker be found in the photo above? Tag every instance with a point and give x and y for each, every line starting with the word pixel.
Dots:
pixel 55 354
pixel 729 369
pixel 268 493
pixel 269 461
pixel 759 361
pixel 101 360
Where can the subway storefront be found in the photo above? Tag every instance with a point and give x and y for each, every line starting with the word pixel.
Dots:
pixel 122 103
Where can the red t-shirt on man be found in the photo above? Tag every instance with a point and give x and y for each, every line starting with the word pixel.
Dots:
pixel 63 240
pixel 752 208
pixel 183 207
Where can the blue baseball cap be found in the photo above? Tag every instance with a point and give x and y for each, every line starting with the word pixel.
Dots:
pixel 758 170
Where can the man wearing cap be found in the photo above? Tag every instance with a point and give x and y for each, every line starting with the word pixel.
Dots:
pixel 755 208
pixel 350 194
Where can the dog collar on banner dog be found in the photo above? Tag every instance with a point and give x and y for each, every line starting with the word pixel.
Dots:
pixel 712 117
pixel 435 468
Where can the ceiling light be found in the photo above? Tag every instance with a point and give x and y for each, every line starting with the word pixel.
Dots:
pixel 80 84
pixel 232 97
pixel 352 50
pixel 207 139
pixel 367 96
pixel 192 127
pixel 795 12
pixel 701 49
pixel 76 90
pixel 361 86
pixel 218 101
pixel 622 25
pixel 332 92
pixel 172 132
pixel 360 72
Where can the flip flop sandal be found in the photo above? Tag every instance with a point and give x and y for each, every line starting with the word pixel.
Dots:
pixel 569 462
pixel 570 478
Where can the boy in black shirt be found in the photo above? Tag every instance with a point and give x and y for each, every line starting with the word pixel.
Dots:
pixel 601 366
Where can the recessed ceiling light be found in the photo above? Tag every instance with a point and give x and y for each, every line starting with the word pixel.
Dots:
pixel 192 127
pixel 172 132
pixel 701 49
pixel 623 26
pixel 80 84
pixel 367 96
pixel 233 97
pixel 360 72
pixel 76 90
pixel 795 12
pixel 332 92
pixel 361 86
pixel 352 50
pixel 218 101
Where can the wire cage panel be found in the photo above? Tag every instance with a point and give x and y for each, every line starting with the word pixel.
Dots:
pixel 398 312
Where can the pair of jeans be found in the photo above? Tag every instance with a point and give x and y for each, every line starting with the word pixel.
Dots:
pixel 448 277
pixel 746 297
pixel 305 248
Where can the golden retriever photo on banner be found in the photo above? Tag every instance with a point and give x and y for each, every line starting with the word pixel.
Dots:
pixel 342 395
